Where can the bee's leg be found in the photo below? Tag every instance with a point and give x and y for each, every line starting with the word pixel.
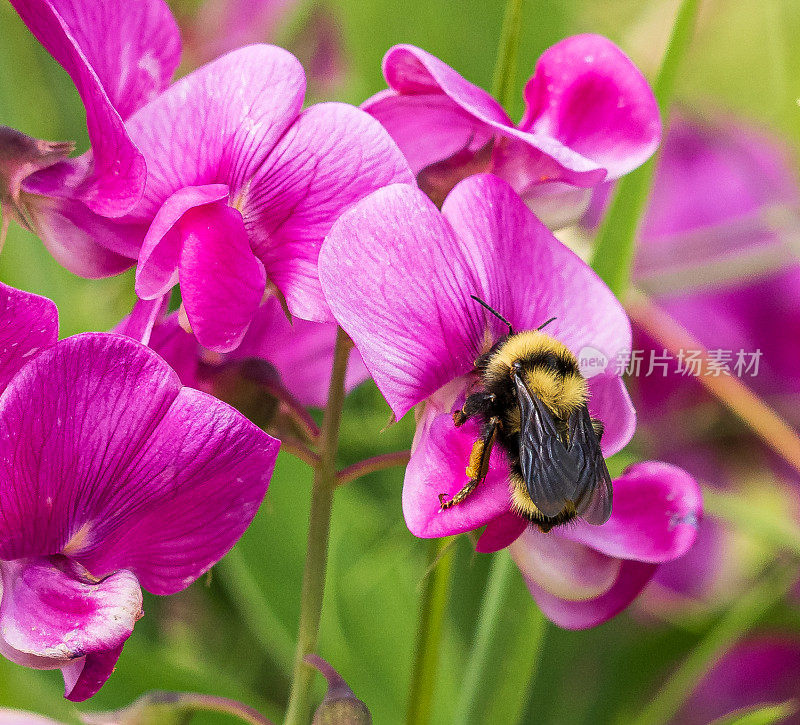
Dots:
pixel 478 464
pixel 598 427
pixel 475 404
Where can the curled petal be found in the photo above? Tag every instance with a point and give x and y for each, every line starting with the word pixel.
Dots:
pixel 222 283
pixel 632 578
pixel 331 157
pixel 157 271
pixel 565 569
pixel 118 467
pixel 399 282
pixel 28 324
pixel 656 512
pixel 438 466
pixel 143 318
pixel 622 128
pixel 51 617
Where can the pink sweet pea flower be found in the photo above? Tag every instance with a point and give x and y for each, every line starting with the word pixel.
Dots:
pixel 118 57
pixel 113 477
pixel 298 354
pixel 241 186
pixel 582 575
pixel 589 116
pixel 398 275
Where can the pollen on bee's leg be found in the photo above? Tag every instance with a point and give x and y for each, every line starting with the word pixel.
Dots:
pixel 475 460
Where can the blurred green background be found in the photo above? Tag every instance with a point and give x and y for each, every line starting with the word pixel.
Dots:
pixel 744 60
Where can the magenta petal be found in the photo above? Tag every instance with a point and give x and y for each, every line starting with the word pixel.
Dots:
pixel 117 466
pixel 412 71
pixel 134 49
pixel 438 465
pixel 331 157
pixel 622 128
pixel 500 533
pixel 49 616
pixel 610 402
pixel 656 510
pixel 399 282
pixel 117 177
pixel 87 244
pixel 85 676
pixel 157 271
pixel 222 282
pixel 28 324
pixel 427 127
pixel 528 275
pixel 217 124
pixel 633 577
pixel 179 348
pixel 301 352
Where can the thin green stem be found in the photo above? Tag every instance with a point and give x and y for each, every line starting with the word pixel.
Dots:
pixel 505 68
pixel 175 707
pixel 744 613
pixel 613 252
pixel 432 609
pixel 262 623
pixel 500 593
pixel 318 532
pixel 372 465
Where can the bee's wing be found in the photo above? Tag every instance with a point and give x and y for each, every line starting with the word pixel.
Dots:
pixel 549 469
pixel 593 493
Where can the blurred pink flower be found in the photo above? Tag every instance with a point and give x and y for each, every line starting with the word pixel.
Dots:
pixel 582 575
pixel 590 116
pixel 763 670
pixel 398 275
pixel 113 477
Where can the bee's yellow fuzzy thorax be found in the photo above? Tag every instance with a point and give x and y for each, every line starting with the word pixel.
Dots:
pixel 563 393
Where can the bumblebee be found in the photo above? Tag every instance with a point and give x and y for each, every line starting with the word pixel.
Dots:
pixel 533 404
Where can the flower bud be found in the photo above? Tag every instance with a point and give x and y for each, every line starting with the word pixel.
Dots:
pixel 340 706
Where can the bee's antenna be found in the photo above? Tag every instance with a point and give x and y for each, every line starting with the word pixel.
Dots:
pixel 495 313
pixel 545 324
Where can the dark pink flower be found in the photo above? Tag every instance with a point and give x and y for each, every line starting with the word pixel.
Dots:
pixel 113 477
pixel 398 275
pixel 763 670
pixel 582 575
pixel 589 116
pixel 118 57
pixel 241 185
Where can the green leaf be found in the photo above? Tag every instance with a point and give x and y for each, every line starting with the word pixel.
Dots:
pixel 760 715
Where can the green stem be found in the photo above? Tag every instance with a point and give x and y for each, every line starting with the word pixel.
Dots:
pixel 318 531
pixel 432 609
pixel 372 465
pixel 505 68
pixel 500 594
pixel 262 623
pixel 744 613
pixel 615 246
